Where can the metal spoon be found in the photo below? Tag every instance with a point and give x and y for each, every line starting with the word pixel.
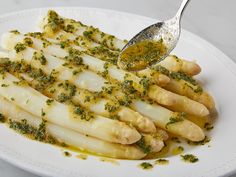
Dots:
pixel 167 31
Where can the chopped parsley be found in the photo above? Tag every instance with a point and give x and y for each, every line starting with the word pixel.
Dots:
pixel 161 70
pixel 55 22
pixel 104 53
pixel 4 85
pixel 115 117
pixel 146 165
pixel 175 139
pixel 64 44
pixel 74 57
pixel 126 100
pixel 22 126
pixel 145 82
pixel 203 142
pixel 49 102
pixel 69 91
pixel 88 33
pixel 108 89
pixel 43 113
pixel 143 145
pixel 43 80
pixel 161 161
pixel 179 118
pixel 127 87
pixel 40 57
pixel 19 47
pixel 37 35
pixel 181 75
pixel 70 28
pixel 110 108
pixel 87 99
pixel 82 113
pixel 2 118
pixel 63 97
pixel 39 133
pixel 28 42
pixel 77 71
pixel 105 72
pixel 67 154
pixel 15 32
pixel 46 43
pixel 208 126
pixel 189 158
pixel 78 110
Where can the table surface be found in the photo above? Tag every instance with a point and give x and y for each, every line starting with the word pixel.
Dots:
pixel 213 20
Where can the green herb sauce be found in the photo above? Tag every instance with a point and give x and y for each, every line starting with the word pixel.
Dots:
pixel 178 118
pixel 189 158
pixel 39 133
pixel 19 47
pixel 146 165
pixel 142 55
pixel 2 118
pixel 143 145
pixel 162 162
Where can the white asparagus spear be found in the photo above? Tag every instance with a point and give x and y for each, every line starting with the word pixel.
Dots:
pixel 162 116
pixel 127 115
pixel 185 85
pixel 155 142
pixel 36 103
pixel 79 28
pixel 156 93
pixel 70 137
pixel 187 89
pixel 162 134
pixel 84 79
pixel 156 78
pixel 172 63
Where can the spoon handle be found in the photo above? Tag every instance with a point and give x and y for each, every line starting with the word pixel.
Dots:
pixel 181 8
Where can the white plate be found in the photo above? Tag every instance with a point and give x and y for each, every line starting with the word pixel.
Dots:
pixel 218 75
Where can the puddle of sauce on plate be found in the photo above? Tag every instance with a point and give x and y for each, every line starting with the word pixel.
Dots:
pixel 110 160
pixel 82 156
pixel 177 150
pixel 161 162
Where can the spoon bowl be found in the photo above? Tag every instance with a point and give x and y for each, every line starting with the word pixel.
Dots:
pixel 167 32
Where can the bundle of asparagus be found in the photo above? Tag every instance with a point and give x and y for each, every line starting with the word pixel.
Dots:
pixel 67 76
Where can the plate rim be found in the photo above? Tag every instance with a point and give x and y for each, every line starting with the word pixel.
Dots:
pixel 8 156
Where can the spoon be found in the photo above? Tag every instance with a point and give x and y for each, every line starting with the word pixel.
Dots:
pixel 152 44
